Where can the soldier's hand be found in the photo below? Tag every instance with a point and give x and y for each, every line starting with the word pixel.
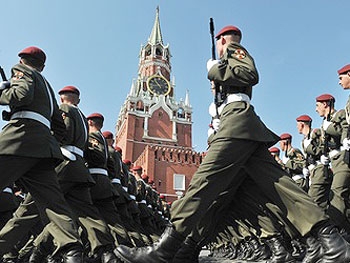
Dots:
pixel 346 144
pixel 324 160
pixel 211 63
pixel 216 124
pixel 306 172
pixel 5 85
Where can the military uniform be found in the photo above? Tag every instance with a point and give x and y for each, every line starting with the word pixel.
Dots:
pixel 339 209
pixel 103 193
pixel 294 162
pixel 320 175
pixel 241 142
pixel 27 139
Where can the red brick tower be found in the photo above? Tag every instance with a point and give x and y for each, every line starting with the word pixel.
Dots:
pixel 153 129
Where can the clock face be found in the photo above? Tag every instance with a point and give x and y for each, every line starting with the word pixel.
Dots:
pixel 158 85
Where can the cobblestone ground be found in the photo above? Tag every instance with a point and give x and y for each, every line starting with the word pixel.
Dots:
pixel 205 259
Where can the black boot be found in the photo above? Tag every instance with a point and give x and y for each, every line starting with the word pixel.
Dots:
pixel 298 250
pixel 188 253
pixel 104 254
pixel 38 255
pixel 260 251
pixel 314 252
pixel 169 243
pixel 279 252
pixel 72 254
pixel 335 248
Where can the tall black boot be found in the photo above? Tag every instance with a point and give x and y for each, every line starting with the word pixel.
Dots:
pixel 335 248
pixel 163 252
pixel 72 253
pixel 279 252
pixel 188 253
pixel 314 251
pixel 260 251
pixel 298 250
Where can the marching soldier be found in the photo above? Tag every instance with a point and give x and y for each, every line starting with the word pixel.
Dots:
pixel 241 141
pixel 334 127
pixel 103 193
pixel 320 178
pixel 294 161
pixel 27 139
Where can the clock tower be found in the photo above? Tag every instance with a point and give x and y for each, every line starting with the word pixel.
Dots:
pixel 153 129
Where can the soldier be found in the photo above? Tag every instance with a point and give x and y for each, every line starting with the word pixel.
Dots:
pixel 275 152
pixel 103 193
pixel 240 141
pixel 294 161
pixel 27 140
pixel 334 128
pixel 320 178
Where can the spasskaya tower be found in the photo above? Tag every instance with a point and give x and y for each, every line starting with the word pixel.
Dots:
pixel 154 129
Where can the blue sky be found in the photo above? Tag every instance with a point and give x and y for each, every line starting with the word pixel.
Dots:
pixel 297 45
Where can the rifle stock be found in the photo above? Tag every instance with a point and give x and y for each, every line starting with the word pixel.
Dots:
pixel 2 72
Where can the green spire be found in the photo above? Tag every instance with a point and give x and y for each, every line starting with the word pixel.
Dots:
pixel 156 34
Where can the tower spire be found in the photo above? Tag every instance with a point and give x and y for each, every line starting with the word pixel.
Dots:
pixel 156 34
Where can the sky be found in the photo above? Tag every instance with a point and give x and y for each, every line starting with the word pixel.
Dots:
pixel 298 46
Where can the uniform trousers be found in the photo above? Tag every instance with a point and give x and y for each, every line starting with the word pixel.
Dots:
pixel 38 176
pixel 220 171
pixel 339 210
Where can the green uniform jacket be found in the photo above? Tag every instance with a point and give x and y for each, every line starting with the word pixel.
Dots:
pixel 237 69
pixel 27 137
pixel 77 135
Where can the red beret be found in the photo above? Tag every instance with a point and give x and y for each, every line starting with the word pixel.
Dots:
pixel 137 168
pixel 162 196
pixel 127 162
pixel 34 52
pixel 344 69
pixel 107 135
pixel 285 136
pixel 71 89
pixel 118 149
pixel 170 203
pixel 144 176
pixel 227 29
pixel 150 181
pixel 325 97
pixel 304 118
pixel 274 150
pixel 95 115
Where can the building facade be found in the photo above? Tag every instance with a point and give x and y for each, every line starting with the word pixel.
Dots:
pixel 153 129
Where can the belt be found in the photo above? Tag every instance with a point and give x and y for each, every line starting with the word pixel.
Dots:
pixel 125 188
pixel 74 149
pixel 298 177
pixel 333 153
pixel 116 181
pixel 149 206
pixel 31 115
pixel 143 202
pixel 7 190
pixel 98 171
pixel 232 98
pixel 231 89
pixel 132 197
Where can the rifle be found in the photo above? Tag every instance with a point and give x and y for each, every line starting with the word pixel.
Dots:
pixel 217 93
pixel 326 138
pixel 2 72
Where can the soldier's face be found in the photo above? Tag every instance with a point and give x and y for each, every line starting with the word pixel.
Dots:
pixel 300 127
pixel 321 108
pixel 344 80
